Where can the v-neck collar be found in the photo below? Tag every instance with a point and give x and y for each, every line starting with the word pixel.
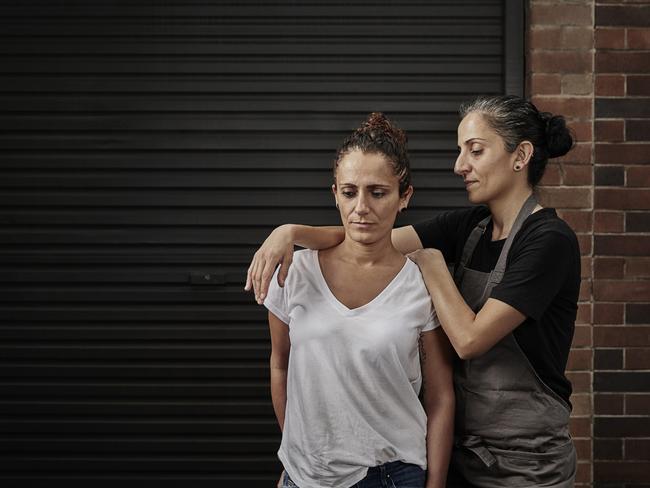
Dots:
pixel 342 308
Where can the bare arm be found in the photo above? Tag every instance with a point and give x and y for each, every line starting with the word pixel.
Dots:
pixel 439 402
pixel 471 334
pixel 279 364
pixel 277 249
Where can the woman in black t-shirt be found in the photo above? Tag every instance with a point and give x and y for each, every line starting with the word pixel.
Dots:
pixel 508 305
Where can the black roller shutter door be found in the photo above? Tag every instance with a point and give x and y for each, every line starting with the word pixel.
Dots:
pixel 147 148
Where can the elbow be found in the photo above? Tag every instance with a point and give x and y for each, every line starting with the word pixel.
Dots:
pixel 468 348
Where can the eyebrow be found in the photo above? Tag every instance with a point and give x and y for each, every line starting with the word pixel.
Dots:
pixel 371 185
pixel 475 139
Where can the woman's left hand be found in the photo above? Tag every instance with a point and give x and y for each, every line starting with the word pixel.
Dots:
pixel 427 258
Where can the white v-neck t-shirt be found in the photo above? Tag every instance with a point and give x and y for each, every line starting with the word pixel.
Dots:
pixel 354 375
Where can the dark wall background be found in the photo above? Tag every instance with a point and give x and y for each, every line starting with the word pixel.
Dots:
pixel 146 149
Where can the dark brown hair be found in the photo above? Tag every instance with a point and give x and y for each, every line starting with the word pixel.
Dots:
pixel 516 119
pixel 378 135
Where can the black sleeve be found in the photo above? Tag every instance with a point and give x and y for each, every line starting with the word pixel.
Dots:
pixel 536 272
pixel 448 230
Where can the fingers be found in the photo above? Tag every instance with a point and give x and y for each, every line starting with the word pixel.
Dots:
pixel 249 280
pixel 284 267
pixel 265 279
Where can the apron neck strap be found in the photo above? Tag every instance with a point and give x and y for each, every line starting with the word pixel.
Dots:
pixel 527 209
pixel 478 231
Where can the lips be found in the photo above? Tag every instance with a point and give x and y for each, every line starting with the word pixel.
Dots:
pixel 468 183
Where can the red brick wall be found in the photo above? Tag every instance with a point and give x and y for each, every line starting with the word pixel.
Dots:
pixel 590 60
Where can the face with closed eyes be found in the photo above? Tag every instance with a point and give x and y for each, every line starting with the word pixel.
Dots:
pixel 367 193
pixel 483 161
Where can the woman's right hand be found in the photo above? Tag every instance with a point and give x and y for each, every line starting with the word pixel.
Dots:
pixel 276 249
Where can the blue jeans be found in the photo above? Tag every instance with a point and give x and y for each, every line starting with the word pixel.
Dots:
pixel 390 475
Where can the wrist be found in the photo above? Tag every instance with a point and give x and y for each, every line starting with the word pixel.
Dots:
pixel 288 231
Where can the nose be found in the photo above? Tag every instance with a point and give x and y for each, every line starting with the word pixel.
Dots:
pixel 361 207
pixel 460 166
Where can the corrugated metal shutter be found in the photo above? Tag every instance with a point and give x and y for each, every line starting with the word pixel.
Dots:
pixel 147 144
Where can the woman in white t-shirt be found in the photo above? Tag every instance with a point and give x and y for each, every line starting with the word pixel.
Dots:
pixel 346 369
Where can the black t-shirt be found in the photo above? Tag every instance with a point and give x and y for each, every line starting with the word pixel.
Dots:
pixel 541 280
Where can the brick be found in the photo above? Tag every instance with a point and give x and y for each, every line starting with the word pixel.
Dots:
pixel 637 449
pixel 609 268
pixel 585 291
pixel 638 39
pixel 584 243
pixel 577 175
pixel 629 336
pixel 580 427
pixel 622 107
pixel 581 404
pixel 569 14
pixel 626 381
pixel 552 175
pixel 637 130
pixel 546 37
pixel 578 84
pixel 608 313
pixel 583 448
pixel 579 360
pixel 608 404
pixel 622 471
pixel 622 153
pixel 628 15
pixel 605 359
pixel 545 84
pixel 637 358
pixel 609 38
pixel 621 62
pixel 638 85
pixel 565 197
pixel 582 336
pixel 580 154
pixel 609 175
pixel 609 130
pixel 637 221
pixel 561 62
pixel 638 404
pixel 585 266
pixel 580 381
pixel 583 474
pixel 621 245
pixel 575 107
pixel 609 221
pixel 637 313
pixel 578 37
pixel 581 130
pixel 637 176
pixel 622 290
pixel 609 85
pixel 637 267
pixel 622 198
pixel 608 449
pixel 578 220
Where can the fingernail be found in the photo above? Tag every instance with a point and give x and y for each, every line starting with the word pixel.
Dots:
pixel 262 296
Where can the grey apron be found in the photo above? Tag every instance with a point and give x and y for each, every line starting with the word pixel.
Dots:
pixel 511 429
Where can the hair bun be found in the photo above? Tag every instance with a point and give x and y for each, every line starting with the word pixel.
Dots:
pixel 559 139
pixel 378 125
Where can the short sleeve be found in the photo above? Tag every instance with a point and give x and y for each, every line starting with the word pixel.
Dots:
pixel 537 272
pixel 433 322
pixel 276 299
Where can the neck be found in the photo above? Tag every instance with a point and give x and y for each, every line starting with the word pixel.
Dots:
pixel 363 254
pixel 505 210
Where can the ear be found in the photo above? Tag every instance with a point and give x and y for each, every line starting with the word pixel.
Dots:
pixel 523 153
pixel 406 197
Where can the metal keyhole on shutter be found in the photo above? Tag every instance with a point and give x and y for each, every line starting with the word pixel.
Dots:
pixel 147 149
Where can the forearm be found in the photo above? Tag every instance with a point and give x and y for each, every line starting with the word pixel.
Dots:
pixel 440 433
pixel 315 237
pixel 456 317
pixel 279 393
